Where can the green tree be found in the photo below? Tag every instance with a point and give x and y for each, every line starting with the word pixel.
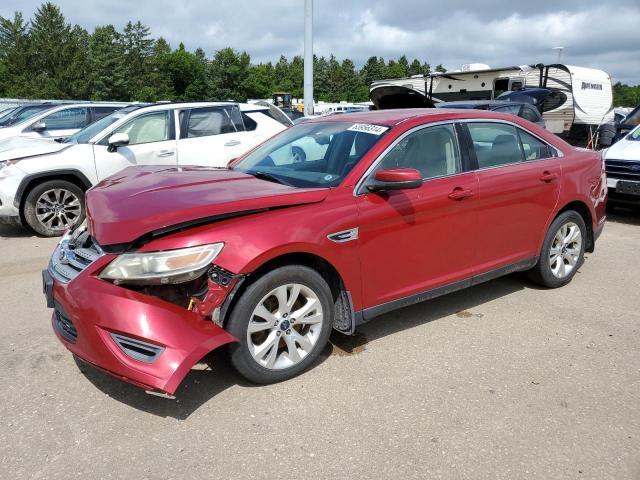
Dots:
pixel 108 72
pixel 626 96
pixel 227 75
pixel 137 50
pixel 187 73
pixel 260 81
pixel 57 53
pixel 13 55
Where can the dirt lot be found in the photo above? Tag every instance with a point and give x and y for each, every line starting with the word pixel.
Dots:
pixel 500 381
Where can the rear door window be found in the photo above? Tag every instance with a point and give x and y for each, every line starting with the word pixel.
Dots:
pixel 208 121
pixel 495 144
pixel 67 119
pixel 534 149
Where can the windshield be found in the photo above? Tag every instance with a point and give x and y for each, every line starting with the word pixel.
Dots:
pixel 90 131
pixel 634 134
pixel 7 113
pixel 21 114
pixel 312 155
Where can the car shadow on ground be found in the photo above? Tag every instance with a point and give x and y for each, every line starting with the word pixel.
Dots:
pixel 15 231
pixel 200 386
pixel 465 303
pixel 620 214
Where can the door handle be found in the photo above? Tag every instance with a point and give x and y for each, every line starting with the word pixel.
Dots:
pixel 232 143
pixel 548 177
pixel 166 153
pixel 460 193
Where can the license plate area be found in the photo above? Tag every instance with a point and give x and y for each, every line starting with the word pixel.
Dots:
pixel 628 188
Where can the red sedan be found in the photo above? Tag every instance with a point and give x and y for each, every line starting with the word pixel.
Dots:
pixel 325 226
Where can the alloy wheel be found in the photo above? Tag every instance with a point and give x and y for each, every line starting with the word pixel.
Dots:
pixel 285 326
pixel 57 209
pixel 565 250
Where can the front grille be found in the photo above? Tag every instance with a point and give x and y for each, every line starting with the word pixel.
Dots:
pixel 137 349
pixel 623 169
pixel 74 254
pixel 65 326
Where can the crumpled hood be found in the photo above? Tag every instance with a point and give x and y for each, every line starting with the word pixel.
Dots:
pixel 20 147
pixel 142 200
pixel 624 150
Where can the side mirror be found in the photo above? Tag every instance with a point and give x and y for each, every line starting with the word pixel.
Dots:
pixel 39 127
pixel 395 179
pixel 117 140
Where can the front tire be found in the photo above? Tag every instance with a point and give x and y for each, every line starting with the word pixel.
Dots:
pixel 562 251
pixel 282 321
pixel 53 206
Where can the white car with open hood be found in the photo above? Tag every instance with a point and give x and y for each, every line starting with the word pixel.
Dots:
pixel 42 183
pixel 622 163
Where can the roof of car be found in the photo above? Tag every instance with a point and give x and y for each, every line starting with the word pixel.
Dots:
pixel 394 117
pixel 164 105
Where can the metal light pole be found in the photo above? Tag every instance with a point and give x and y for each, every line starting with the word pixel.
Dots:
pixel 308 57
pixel 559 49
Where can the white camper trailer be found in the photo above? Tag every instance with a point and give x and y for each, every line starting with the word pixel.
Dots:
pixel 577 102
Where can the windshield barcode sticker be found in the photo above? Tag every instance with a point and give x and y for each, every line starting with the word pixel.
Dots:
pixel 368 128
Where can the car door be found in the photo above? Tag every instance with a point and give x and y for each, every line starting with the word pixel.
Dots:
pixel 211 136
pixel 416 240
pixel 152 141
pixel 59 124
pixel 519 186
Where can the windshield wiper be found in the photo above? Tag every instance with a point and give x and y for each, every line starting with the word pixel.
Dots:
pixel 269 177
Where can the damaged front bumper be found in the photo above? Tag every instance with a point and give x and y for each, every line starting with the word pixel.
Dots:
pixel 136 337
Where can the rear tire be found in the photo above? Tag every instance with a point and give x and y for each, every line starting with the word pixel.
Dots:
pixel 562 251
pixel 274 345
pixel 53 206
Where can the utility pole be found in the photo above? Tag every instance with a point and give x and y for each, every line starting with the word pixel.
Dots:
pixel 308 57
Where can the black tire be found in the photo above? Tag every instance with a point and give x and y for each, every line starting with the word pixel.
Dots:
pixel 57 226
pixel 542 273
pixel 299 155
pixel 241 357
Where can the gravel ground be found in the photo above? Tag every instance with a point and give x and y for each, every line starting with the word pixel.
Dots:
pixel 503 380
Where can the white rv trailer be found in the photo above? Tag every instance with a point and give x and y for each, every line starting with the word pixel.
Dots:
pixel 579 107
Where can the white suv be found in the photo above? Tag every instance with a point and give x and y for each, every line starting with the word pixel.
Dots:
pixel 42 183
pixel 60 121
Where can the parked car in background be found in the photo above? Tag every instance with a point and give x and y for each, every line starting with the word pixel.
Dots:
pixel 42 183
pixel 524 110
pixel 622 162
pixel 23 112
pixel 404 206
pixel 627 123
pixel 59 122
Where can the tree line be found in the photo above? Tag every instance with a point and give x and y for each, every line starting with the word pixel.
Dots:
pixel 46 57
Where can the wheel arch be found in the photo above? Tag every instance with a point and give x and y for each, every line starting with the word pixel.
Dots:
pixel 582 209
pixel 344 318
pixel 29 182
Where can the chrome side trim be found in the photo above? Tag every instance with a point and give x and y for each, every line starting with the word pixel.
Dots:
pixel 344 235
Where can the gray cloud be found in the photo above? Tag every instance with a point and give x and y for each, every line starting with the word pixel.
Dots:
pixel 600 34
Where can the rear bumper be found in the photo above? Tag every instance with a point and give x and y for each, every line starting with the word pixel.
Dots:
pixel 98 309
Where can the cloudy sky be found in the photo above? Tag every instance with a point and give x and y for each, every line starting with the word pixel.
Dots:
pixel 602 34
